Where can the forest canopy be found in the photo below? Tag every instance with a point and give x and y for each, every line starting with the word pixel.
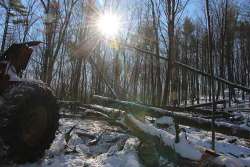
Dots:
pixel 134 50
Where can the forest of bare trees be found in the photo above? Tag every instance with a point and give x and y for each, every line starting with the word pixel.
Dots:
pixel 161 55
pixel 175 74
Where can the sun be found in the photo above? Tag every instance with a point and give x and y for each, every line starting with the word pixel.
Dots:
pixel 108 25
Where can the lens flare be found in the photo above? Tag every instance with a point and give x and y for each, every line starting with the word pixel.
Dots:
pixel 108 25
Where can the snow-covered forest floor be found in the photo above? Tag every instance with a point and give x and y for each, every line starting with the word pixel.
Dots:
pixel 87 137
pixel 90 143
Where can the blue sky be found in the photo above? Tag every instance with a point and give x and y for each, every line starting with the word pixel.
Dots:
pixel 194 9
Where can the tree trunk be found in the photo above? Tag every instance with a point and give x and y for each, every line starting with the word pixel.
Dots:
pixel 211 72
pixel 5 31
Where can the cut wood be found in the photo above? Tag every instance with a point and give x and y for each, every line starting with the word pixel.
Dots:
pixel 184 118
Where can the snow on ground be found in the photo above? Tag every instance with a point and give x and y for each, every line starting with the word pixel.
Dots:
pixel 191 140
pixel 222 145
pixel 246 161
pixel 227 145
pixel 125 158
pixel 239 109
pixel 91 143
pixel 95 143
pixel 185 149
pixel 164 120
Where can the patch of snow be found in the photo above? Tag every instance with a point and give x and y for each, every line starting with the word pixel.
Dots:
pixel 131 144
pixel 189 145
pixel 164 120
pixel 125 158
pixel 11 72
pixel 246 161
pixel 83 148
pixel 203 139
pixel 184 148
pixel 75 140
pixel 228 161
pixel 58 145
pixel 112 148
pixel 246 125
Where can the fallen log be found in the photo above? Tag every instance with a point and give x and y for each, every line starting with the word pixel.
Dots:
pixel 197 111
pixel 185 148
pixel 69 104
pixel 113 113
pixel 103 116
pixel 206 104
pixel 183 118
pixel 245 110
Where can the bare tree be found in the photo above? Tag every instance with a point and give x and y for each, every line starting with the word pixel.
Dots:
pixel 211 71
